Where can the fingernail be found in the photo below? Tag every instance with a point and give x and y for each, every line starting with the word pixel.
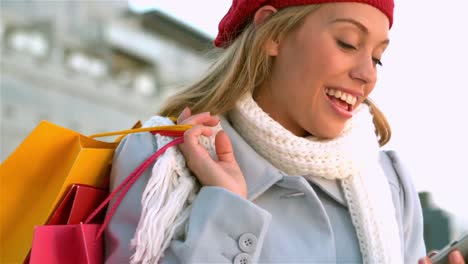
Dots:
pixel 185 111
pixel 455 257
pixel 423 261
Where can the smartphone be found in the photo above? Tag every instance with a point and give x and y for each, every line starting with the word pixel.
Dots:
pixel 460 245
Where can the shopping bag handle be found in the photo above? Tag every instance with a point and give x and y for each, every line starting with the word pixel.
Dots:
pixel 172 130
pixel 126 185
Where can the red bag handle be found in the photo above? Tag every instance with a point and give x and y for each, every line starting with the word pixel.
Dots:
pixel 126 185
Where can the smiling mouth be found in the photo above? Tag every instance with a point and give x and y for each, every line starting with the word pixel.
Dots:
pixel 343 100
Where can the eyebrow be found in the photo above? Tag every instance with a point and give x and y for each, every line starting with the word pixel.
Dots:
pixel 358 25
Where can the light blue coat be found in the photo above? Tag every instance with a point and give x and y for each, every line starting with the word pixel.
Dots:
pixel 286 219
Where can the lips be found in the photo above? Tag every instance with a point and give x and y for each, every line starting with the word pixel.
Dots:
pixel 344 105
pixel 340 107
pixel 345 95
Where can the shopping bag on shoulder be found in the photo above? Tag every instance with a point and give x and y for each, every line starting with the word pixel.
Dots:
pixel 82 243
pixel 38 173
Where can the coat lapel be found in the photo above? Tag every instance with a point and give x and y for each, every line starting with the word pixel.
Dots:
pixel 259 174
pixel 331 187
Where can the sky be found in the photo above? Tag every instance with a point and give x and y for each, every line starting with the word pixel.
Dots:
pixel 422 88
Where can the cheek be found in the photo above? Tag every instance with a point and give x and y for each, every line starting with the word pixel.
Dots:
pixel 369 88
pixel 332 62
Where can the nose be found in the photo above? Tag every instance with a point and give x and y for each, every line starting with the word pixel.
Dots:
pixel 364 70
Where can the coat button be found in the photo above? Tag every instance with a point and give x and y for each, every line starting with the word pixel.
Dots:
pixel 248 242
pixel 243 258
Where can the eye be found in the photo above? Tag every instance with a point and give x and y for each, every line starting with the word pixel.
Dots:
pixel 345 45
pixel 377 62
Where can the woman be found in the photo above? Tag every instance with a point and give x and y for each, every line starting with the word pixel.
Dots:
pixel 295 174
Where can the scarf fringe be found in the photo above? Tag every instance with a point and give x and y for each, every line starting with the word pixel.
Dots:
pixel 166 200
pixel 155 216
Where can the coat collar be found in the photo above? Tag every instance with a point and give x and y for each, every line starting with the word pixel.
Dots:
pixel 332 188
pixel 260 174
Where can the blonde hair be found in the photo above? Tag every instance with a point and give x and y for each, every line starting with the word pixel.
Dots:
pixel 243 66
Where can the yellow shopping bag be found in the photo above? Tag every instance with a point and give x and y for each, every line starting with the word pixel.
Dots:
pixel 38 173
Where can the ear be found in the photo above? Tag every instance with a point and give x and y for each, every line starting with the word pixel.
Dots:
pixel 261 15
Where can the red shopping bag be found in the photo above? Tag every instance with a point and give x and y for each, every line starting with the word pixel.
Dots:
pixel 71 244
pixel 83 243
pixel 79 202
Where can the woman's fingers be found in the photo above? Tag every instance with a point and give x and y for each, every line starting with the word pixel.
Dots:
pixel 455 257
pixel 224 147
pixel 199 119
pixel 191 147
pixel 186 113
pixel 224 172
pixel 191 136
pixel 425 260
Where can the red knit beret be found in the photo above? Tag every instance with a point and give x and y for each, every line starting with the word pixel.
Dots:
pixel 242 11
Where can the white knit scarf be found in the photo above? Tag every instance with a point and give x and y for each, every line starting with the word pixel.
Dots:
pixel 351 158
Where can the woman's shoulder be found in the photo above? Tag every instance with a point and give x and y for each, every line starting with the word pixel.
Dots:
pixel 395 170
pixel 408 205
pixel 404 191
pixel 158 120
pixel 142 142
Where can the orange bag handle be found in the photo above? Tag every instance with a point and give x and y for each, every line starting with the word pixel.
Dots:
pixel 172 130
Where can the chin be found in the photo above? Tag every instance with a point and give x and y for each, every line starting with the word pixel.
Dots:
pixel 328 132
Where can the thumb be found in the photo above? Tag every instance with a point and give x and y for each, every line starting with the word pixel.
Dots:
pixel 224 147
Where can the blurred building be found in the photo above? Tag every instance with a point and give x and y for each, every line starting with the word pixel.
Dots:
pixel 437 224
pixel 91 66
pixel 440 226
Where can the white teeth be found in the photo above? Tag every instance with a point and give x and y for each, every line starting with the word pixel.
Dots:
pixel 348 98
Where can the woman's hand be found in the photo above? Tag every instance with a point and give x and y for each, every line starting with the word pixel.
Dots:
pixel 225 171
pixel 455 257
